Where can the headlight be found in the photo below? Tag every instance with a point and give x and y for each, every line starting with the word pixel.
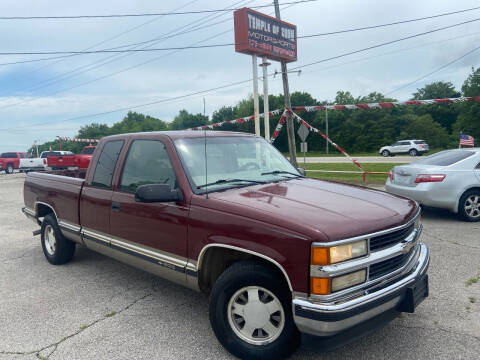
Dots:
pixel 335 254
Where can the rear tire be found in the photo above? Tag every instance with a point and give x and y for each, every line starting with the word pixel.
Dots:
pixel 469 206
pixel 57 248
pixel 9 169
pixel 251 313
pixel 385 153
pixel 413 152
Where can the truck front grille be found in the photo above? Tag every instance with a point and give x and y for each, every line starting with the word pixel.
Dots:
pixel 388 266
pixel 390 239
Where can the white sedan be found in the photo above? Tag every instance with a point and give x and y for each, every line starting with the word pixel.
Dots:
pixel 449 179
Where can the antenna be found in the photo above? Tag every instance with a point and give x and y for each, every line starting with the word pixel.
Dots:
pixel 206 167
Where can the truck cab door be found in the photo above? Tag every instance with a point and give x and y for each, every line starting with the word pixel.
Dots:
pixel 152 236
pixel 96 199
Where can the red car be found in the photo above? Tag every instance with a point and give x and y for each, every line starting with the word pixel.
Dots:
pixel 10 161
pixel 279 253
pixel 82 160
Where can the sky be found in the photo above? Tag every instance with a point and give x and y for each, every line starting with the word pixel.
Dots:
pixel 45 99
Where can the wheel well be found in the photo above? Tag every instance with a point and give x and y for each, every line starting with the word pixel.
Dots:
pixel 217 259
pixel 472 188
pixel 43 210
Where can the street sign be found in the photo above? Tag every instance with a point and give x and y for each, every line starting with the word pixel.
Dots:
pixel 303 132
pixel 303 147
pixel 263 35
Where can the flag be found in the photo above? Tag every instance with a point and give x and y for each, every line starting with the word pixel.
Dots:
pixel 466 140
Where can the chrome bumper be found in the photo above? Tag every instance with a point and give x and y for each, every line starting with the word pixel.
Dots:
pixel 323 319
pixel 30 213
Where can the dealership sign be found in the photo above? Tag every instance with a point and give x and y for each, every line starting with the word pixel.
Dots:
pixel 263 35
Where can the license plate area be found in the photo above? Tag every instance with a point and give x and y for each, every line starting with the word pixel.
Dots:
pixel 414 295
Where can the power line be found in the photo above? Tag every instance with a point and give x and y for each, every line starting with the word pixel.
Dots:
pixel 390 24
pixel 434 71
pixel 141 14
pixel 212 45
pixel 115 49
pixel 245 81
pixel 164 37
pixel 383 44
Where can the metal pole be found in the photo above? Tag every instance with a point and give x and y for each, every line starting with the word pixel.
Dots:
pixel 266 116
pixel 286 91
pixel 255 95
pixel 326 127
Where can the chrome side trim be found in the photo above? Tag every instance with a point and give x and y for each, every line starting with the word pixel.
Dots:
pixel 160 258
pixel 66 225
pixel 422 265
pixel 206 247
pixel 367 236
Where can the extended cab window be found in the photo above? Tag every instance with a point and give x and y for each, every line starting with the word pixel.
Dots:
pixel 106 164
pixel 147 163
pixel 9 156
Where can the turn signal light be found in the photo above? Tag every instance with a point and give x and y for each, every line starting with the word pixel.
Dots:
pixel 421 178
pixel 320 286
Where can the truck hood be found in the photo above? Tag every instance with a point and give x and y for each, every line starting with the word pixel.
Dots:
pixel 321 210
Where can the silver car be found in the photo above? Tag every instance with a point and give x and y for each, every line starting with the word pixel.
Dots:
pixel 448 179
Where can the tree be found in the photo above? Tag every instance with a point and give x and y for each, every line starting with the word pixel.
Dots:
pixel 471 86
pixel 436 90
pixel 344 98
pixel 185 120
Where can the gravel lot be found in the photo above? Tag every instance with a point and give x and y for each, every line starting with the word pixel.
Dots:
pixel 99 308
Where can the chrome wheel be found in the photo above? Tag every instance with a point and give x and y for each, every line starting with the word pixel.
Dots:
pixel 49 240
pixel 472 206
pixel 256 315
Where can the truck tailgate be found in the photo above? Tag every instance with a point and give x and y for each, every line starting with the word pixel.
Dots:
pixel 61 193
pixel 62 161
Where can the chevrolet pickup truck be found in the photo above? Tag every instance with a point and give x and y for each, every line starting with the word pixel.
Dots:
pixel 10 161
pixel 225 213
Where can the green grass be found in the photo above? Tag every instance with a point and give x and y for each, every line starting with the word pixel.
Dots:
pixel 350 178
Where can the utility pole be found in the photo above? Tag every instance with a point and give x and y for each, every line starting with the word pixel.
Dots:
pixel 286 93
pixel 255 95
pixel 326 128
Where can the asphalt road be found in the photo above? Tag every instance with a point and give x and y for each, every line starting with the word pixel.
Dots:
pixel 99 308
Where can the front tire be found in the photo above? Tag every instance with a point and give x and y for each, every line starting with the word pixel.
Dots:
pixel 469 206
pixel 413 152
pixel 385 153
pixel 57 248
pixel 251 313
pixel 9 169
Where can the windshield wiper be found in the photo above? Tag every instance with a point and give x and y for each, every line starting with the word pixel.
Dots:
pixel 280 172
pixel 227 181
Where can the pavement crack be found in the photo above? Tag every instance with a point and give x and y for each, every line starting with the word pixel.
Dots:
pixel 54 346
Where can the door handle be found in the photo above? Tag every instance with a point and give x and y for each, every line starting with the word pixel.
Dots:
pixel 115 206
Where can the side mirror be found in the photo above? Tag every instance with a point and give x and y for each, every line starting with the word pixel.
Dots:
pixel 157 193
pixel 302 171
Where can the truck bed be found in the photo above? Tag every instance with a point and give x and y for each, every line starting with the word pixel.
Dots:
pixel 59 190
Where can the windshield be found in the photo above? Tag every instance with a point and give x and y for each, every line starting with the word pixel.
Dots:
pixel 88 150
pixel 232 158
pixel 445 158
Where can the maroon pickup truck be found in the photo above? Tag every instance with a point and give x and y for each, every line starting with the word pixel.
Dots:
pixel 225 213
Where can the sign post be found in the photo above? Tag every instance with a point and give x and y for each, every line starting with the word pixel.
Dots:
pixel 302 134
pixel 256 111
pixel 266 115
pixel 258 34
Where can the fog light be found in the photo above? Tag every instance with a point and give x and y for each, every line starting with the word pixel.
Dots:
pixel 349 280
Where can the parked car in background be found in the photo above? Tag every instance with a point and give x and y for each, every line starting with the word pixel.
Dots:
pixel 278 253
pixel 61 160
pixel 10 161
pixel 411 147
pixel 82 160
pixel 448 179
